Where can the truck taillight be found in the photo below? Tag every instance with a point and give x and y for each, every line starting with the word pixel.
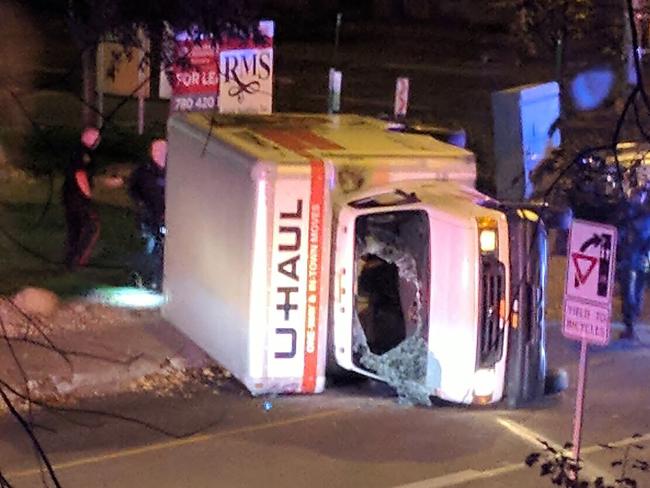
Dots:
pixel 488 235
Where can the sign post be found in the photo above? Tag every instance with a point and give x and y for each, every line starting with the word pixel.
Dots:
pixel 401 97
pixel 334 96
pixel 588 299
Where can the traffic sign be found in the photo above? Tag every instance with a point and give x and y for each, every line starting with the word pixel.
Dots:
pixel 588 299
pixel 584 320
pixel 589 282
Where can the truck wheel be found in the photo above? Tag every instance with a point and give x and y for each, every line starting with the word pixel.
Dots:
pixel 557 380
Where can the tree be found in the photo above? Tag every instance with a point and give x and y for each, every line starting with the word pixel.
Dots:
pixel 549 26
pixel 20 50
pixel 90 20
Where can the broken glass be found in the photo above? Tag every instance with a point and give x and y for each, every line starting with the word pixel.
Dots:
pixel 394 248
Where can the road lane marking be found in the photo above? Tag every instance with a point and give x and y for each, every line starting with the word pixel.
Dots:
pixel 587 450
pixel 465 476
pixel 527 434
pixel 535 439
pixel 175 443
pixel 469 475
pixel 622 443
pixel 444 481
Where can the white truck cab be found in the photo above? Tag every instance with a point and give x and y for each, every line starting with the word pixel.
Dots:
pixel 302 244
pixel 459 251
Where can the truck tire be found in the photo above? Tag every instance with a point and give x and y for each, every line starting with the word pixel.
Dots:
pixel 557 380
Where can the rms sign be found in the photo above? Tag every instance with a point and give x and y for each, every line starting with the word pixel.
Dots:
pixel 246 76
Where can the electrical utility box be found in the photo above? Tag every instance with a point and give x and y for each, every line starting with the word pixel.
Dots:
pixel 523 135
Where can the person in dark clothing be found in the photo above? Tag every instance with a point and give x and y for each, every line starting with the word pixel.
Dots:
pixel 147 189
pixel 82 221
pixel 633 250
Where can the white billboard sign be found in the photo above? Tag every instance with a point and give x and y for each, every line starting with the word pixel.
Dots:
pixel 246 74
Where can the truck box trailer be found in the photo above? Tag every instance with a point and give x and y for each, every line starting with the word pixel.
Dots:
pixel 299 244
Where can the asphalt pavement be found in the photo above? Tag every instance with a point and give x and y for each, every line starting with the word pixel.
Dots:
pixel 354 435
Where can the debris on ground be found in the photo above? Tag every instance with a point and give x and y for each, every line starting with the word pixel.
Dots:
pixel 76 315
pixel 36 324
pixel 171 381
pixel 39 393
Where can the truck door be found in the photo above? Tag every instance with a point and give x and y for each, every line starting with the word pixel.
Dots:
pixel 381 288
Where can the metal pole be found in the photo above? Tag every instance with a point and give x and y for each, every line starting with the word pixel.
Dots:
pixel 101 74
pixel 559 58
pixel 337 32
pixel 100 108
pixel 142 77
pixel 580 400
pixel 140 114
pixel 334 91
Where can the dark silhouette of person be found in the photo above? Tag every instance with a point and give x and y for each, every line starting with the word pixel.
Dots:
pixel 147 189
pixel 82 220
pixel 633 249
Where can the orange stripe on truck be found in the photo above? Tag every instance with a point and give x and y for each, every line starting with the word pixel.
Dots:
pixel 316 141
pixel 300 141
pixel 314 265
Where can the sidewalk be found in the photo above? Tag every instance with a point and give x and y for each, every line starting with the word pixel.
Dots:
pixel 87 349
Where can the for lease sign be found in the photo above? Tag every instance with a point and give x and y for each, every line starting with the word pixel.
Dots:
pixel 195 75
pixel 233 74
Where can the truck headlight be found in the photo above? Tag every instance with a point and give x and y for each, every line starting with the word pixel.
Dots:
pixel 484 383
pixel 488 236
pixel 488 240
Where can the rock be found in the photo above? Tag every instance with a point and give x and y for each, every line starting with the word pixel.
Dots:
pixel 36 301
pixel 177 363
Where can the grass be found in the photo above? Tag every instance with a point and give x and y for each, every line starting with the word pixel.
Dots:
pixel 31 249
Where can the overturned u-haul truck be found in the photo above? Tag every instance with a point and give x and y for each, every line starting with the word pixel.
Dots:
pixel 300 244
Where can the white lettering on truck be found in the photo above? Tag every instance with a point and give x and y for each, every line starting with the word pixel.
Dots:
pixel 313 270
pixel 296 285
pixel 289 267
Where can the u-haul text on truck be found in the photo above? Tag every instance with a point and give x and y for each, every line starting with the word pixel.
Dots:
pixel 305 245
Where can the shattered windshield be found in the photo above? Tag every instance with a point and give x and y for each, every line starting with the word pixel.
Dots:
pixel 391 307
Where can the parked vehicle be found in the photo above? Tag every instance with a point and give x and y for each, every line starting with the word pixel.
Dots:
pixel 304 244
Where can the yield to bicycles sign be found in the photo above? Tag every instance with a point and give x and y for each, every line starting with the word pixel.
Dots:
pixel 589 282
